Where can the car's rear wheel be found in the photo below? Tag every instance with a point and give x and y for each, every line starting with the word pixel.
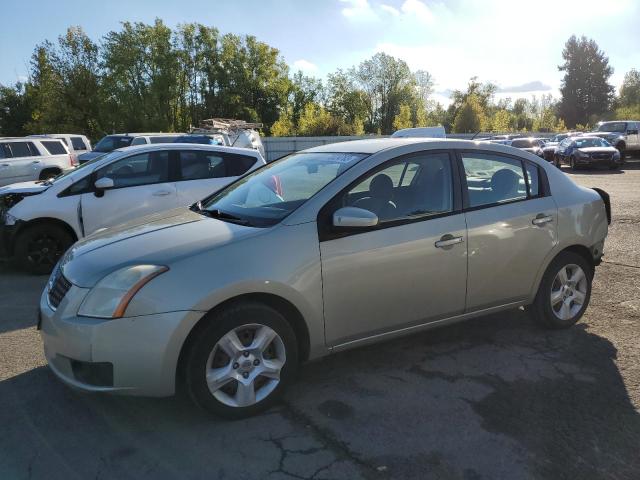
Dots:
pixel 39 247
pixel 48 173
pixel 564 293
pixel 242 360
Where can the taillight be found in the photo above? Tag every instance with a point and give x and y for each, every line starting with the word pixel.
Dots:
pixel 73 160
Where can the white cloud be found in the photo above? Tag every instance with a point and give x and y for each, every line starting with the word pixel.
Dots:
pixel 358 10
pixel 305 65
pixel 389 9
pixel 417 10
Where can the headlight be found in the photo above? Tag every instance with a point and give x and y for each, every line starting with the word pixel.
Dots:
pixel 9 219
pixel 111 295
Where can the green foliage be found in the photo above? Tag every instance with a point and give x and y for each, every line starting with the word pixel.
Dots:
pixel 630 89
pixel 628 113
pixel 502 121
pixel 403 118
pixel 15 110
pixel 470 117
pixel 560 126
pixel 284 126
pixel 585 87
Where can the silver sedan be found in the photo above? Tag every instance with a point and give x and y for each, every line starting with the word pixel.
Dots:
pixel 327 249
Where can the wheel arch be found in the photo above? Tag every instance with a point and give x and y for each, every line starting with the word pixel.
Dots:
pixel 578 249
pixel 278 303
pixel 49 169
pixel 40 221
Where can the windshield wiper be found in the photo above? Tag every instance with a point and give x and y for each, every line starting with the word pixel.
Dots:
pixel 220 215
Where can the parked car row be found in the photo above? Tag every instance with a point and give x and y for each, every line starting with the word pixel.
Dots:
pixel 327 249
pixel 39 221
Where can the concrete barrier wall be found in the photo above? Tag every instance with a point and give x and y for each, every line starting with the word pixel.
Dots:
pixel 276 147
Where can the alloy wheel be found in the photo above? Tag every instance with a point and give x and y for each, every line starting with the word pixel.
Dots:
pixel 568 292
pixel 245 364
pixel 44 250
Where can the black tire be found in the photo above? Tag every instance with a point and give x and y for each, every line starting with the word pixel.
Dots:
pixel 48 173
pixel 542 309
pixel 39 247
pixel 557 162
pixel 621 149
pixel 202 348
pixel 572 163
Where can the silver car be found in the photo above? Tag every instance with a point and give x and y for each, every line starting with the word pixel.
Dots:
pixel 327 249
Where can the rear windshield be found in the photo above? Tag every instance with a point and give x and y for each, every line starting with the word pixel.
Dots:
pixel 164 139
pixel 111 142
pixel 524 143
pixel 54 147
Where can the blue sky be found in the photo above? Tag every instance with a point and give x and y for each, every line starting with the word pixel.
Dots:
pixel 516 44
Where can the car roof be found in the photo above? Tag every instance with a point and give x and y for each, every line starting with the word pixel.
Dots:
pixel 371 146
pixel 189 146
pixel 30 138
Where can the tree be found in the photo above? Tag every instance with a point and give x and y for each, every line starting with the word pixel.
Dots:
pixel 630 89
pixel 585 90
pixel 15 110
pixel 403 118
pixel 284 126
pixel 470 117
pixel 546 122
pixel 304 90
pixel 387 83
pixel 502 121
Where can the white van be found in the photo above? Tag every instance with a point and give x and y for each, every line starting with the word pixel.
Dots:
pixel 40 220
pixel 421 132
pixel 26 158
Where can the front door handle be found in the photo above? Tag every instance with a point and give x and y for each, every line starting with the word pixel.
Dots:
pixel 5 165
pixel 36 161
pixel 448 240
pixel 161 193
pixel 542 219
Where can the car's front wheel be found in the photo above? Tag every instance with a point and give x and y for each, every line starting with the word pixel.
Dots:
pixel 39 247
pixel 241 361
pixel 564 293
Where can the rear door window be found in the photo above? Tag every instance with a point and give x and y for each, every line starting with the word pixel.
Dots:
pixel 493 179
pixel 199 164
pixel 21 149
pixel 54 147
pixel 164 139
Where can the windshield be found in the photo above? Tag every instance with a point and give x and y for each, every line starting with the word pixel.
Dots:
pixel 524 143
pixel 268 195
pixel 591 142
pixel 110 142
pixel 613 127
pixel 83 165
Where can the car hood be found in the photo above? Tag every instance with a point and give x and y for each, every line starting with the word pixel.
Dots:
pixel 605 134
pixel 30 188
pixel 530 149
pixel 158 239
pixel 598 149
pixel 86 156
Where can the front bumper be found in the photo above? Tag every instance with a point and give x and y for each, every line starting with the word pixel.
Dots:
pixel 130 356
pixel 604 162
pixel 7 237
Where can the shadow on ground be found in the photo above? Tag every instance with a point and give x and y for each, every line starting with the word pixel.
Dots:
pixel 491 398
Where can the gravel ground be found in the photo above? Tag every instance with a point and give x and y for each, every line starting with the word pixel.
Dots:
pixel 495 397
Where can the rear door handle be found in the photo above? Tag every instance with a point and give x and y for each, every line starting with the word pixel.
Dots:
pixel 5 165
pixel 448 240
pixel 161 193
pixel 36 161
pixel 542 219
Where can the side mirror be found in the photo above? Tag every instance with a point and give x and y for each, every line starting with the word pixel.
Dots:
pixel 102 184
pixel 353 217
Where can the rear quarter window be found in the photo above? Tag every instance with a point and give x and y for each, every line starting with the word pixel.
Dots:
pixel 78 143
pixel 54 147
pixel 237 165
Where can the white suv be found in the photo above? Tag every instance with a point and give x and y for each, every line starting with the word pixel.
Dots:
pixel 75 143
pixel 40 220
pixel 27 159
